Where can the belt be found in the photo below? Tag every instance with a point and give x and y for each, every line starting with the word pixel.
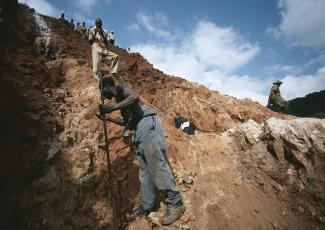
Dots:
pixel 132 124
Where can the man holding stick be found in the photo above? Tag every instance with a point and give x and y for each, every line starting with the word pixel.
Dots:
pixel 154 173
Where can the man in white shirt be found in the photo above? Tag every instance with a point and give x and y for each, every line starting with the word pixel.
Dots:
pixel 98 37
pixel 111 36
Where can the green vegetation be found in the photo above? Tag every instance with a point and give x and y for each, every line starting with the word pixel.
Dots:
pixel 312 105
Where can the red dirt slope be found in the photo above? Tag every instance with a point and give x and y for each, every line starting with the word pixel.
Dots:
pixel 55 173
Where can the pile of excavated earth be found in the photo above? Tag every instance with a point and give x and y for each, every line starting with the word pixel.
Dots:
pixel 246 167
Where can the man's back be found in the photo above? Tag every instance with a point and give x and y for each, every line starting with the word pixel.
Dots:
pixel 276 102
pixel 274 93
pixel 134 112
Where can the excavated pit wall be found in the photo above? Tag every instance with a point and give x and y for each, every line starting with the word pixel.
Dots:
pixel 27 124
pixel 290 154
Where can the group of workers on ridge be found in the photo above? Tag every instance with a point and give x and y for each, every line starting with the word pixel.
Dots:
pixel 84 31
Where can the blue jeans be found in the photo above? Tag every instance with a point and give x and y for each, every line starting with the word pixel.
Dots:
pixel 154 173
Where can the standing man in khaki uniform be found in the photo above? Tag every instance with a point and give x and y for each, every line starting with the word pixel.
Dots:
pixel 98 38
pixel 276 102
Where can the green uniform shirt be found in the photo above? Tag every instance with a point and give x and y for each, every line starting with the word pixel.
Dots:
pixel 275 96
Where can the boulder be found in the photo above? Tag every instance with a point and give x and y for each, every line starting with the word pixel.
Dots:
pixel 299 141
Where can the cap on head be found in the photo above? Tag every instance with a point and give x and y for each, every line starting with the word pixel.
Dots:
pixel 278 82
pixel 98 21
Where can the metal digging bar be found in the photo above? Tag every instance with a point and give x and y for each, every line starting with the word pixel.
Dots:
pixel 110 179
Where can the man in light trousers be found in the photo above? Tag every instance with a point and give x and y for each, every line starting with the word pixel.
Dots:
pixel 98 38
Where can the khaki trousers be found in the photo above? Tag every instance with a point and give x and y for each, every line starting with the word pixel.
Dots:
pixel 97 56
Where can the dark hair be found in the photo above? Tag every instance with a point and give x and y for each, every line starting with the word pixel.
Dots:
pixel 99 21
pixel 108 80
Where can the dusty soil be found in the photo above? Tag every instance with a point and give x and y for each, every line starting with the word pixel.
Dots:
pixel 54 171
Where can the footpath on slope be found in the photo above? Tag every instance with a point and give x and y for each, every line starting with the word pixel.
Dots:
pixel 61 180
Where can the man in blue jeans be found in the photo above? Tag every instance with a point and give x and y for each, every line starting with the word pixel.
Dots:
pixel 154 173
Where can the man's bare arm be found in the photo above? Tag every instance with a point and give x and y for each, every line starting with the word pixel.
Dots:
pixel 131 97
pixel 116 121
pixel 101 32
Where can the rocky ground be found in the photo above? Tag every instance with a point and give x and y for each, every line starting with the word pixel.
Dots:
pixel 246 168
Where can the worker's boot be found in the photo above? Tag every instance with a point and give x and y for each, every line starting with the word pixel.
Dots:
pixel 136 213
pixel 172 213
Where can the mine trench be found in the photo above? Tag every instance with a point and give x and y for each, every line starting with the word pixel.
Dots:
pixel 125 180
pixel 43 145
pixel 53 167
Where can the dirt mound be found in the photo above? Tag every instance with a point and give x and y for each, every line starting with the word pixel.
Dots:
pixel 55 172
pixel 285 159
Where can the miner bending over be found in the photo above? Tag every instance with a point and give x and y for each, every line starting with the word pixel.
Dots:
pixel 154 171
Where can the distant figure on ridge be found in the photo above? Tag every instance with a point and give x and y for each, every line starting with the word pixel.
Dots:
pixel 87 32
pixel 111 37
pixel 77 27
pixel 71 24
pixel 62 16
pixel 276 102
pixel 98 38
pixel 82 29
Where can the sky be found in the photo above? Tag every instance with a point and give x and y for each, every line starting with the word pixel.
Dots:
pixel 238 48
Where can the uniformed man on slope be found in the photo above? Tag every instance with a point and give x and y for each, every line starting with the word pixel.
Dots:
pixel 98 37
pixel 151 151
pixel 276 102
